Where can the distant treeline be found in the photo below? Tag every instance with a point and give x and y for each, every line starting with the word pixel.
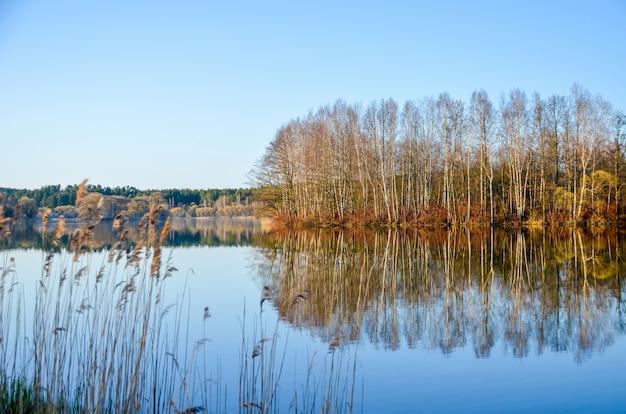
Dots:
pixel 440 161
pixel 180 202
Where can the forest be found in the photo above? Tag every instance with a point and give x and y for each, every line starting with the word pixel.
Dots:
pixel 61 201
pixel 520 161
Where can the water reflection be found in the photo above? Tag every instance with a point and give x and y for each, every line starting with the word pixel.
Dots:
pixel 531 292
pixel 185 232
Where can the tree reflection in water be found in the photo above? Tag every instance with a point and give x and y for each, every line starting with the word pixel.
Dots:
pixel 185 232
pixel 529 291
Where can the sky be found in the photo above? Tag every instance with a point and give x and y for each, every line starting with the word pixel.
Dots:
pixel 188 94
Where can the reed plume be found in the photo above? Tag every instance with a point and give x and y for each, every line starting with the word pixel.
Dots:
pixel 44 220
pixel 5 223
pixel 80 193
pixel 166 230
pixel 75 240
pixel 58 231
pixel 60 227
pixel 119 222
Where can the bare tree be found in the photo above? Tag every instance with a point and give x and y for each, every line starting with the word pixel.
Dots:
pixel 589 130
pixel 344 130
pixel 276 172
pixel 514 131
pixel 445 116
pixel 538 199
pixel 619 136
pixel 482 121
pixel 554 126
pixel 380 127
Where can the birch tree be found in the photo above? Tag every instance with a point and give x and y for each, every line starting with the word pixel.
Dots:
pixel 444 108
pixel 482 122
pixel 555 126
pixel 590 130
pixel 514 119
pixel 619 136
pixel 380 127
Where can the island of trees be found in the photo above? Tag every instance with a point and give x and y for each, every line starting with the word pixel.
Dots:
pixel 538 161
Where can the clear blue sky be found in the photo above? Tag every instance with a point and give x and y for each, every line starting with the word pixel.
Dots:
pixel 188 94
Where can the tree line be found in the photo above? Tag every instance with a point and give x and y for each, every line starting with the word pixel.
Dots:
pixel 442 161
pixel 179 202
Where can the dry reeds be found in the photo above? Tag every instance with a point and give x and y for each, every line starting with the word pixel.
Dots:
pixel 260 372
pixel 100 340
pixel 80 193
pixel 44 219
pixel 103 339
pixel 5 223
pixel 327 388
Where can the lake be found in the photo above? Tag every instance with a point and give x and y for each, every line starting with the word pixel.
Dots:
pixel 364 321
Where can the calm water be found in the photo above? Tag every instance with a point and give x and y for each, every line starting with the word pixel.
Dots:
pixel 438 322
